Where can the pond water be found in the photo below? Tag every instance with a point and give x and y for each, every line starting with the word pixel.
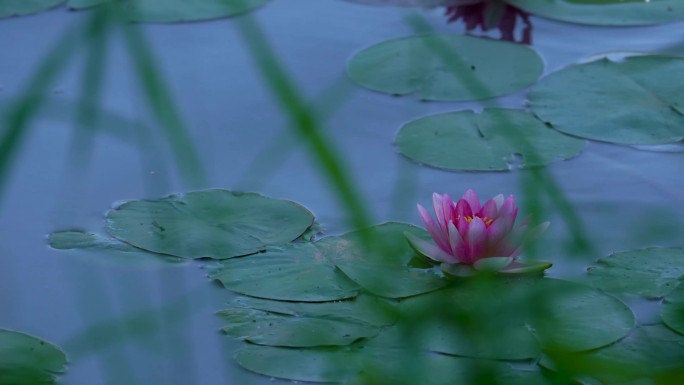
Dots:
pixel 155 324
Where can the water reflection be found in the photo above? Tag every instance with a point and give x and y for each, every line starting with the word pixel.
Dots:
pixel 491 14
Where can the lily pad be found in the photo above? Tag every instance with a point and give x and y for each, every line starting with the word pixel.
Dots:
pixel 334 268
pixel 26 360
pixel 365 365
pixel 9 8
pixel 652 273
pixel 673 310
pixel 446 67
pixel 648 352
pixel 509 319
pixel 493 140
pixel 305 324
pixel 110 250
pixel 80 4
pixel 214 224
pixel 605 12
pixel 635 101
pixel 170 11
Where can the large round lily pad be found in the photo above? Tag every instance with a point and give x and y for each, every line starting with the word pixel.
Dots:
pixel 446 67
pixel 10 8
pixel 635 101
pixel 333 268
pixel 510 319
pixel 673 310
pixel 215 224
pixel 366 365
pixel 605 12
pixel 652 273
pixel 496 139
pixel 168 11
pixel 26 360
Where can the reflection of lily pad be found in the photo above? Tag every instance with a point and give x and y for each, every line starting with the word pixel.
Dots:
pixel 215 224
pixel 605 12
pixel 636 101
pixel 25 360
pixel 305 324
pixel 651 273
pixel 110 250
pixel 372 366
pixel 10 8
pixel 317 271
pixel 673 310
pixel 445 67
pixel 490 140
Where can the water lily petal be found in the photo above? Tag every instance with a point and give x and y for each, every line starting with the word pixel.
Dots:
pixel 441 238
pixel 508 208
pixel 463 209
pixel 499 199
pixel 489 210
pixel 457 270
pixel 475 237
pixel 471 197
pixel 525 267
pixel 456 243
pixel 439 211
pixel 448 210
pixel 428 250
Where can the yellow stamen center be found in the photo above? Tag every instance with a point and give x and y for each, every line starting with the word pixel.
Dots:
pixel 486 220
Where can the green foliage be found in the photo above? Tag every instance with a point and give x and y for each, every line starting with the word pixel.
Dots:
pixel 445 67
pixel 652 273
pixel 493 140
pixel 26 360
pixel 10 8
pixel 634 101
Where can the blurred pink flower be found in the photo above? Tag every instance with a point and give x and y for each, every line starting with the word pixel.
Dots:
pixel 489 14
pixel 466 232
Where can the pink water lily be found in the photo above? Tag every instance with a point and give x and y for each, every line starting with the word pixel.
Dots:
pixel 466 232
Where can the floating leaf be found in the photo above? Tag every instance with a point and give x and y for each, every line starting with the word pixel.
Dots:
pixel 446 67
pixel 635 101
pixel 10 8
pixel 651 273
pixel 509 319
pixel 215 224
pixel 358 364
pixel 79 4
pixel 170 11
pixel 490 141
pixel 673 310
pixel 648 352
pixel 26 360
pixel 305 324
pixel 314 271
pixel 605 12
pixel 109 250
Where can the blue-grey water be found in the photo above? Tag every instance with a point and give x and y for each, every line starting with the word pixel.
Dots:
pixel 155 324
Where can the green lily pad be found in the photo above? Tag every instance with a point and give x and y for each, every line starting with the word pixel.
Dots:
pixel 214 224
pixel 673 310
pixel 649 352
pixel 80 4
pixel 605 12
pixel 366 365
pixel 509 319
pixel 277 323
pixel 635 101
pixel 171 11
pixel 446 67
pixel 493 140
pixel 333 268
pixel 26 360
pixel 9 8
pixel 652 273
pixel 109 250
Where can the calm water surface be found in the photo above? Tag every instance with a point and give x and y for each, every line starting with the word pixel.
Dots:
pixel 154 324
